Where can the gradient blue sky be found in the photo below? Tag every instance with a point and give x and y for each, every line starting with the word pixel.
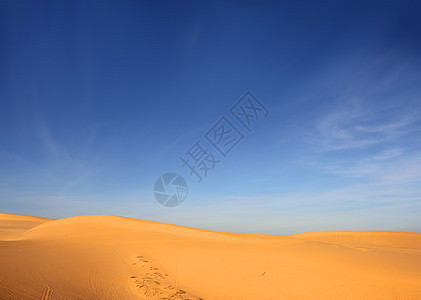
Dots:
pixel 99 99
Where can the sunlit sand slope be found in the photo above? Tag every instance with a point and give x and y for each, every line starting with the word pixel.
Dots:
pixel 108 257
pixel 12 225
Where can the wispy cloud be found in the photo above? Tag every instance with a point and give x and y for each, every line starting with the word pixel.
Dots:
pixel 369 139
pixel 52 148
pixel 353 126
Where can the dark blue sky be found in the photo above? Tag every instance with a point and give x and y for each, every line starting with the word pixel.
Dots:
pixel 99 99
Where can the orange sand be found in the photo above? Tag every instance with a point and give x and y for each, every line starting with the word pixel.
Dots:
pixel 108 257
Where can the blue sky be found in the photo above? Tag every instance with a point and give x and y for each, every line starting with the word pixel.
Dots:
pixel 99 99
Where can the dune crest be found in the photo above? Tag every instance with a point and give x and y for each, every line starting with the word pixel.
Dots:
pixel 12 225
pixel 108 257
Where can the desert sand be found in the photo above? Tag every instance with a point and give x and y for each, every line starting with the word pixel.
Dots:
pixel 109 257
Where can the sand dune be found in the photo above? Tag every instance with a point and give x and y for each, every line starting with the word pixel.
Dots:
pixel 12 225
pixel 108 257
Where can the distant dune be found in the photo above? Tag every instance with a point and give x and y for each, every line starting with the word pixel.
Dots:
pixel 12 225
pixel 108 257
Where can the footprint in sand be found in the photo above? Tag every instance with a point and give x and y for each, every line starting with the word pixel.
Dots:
pixel 141 261
pixel 154 284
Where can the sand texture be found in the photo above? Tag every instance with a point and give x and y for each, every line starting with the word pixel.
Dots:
pixel 109 257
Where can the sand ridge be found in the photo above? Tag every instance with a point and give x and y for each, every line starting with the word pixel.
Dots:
pixel 12 225
pixel 109 257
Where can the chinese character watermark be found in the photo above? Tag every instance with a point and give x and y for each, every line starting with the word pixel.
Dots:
pixel 248 110
pixel 171 189
pixel 224 136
